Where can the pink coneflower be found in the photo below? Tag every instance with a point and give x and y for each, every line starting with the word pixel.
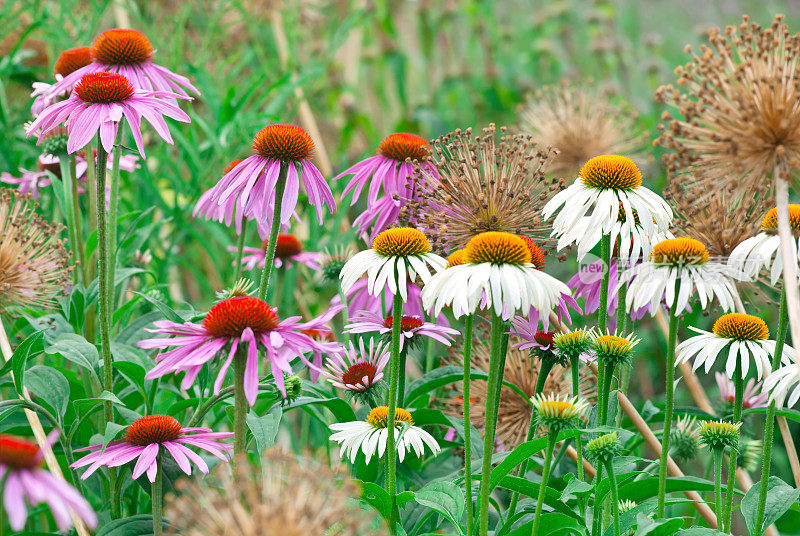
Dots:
pixel 529 337
pixel 411 328
pixel 586 284
pixel 386 211
pixel 130 54
pixel 23 479
pixel 67 63
pixel 288 250
pixel 324 335
pixel 248 190
pixel 29 182
pixel 98 103
pixel 229 324
pixel 143 441
pixel 357 370
pixel 753 397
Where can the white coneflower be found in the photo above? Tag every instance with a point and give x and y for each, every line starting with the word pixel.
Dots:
pixel 763 250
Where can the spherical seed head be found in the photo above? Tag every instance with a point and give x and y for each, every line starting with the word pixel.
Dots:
pixel 18 453
pixel 613 349
pixel 720 434
pixel 679 251
pixel 103 88
pixel 604 448
pixel 402 146
pixel 401 242
pixel 537 255
pixel 497 248
pixel 122 47
pixel 407 323
pixel 573 343
pixel 72 59
pixel 611 171
pixel 230 166
pixel 231 316
pixel 456 258
pixel 153 429
pixel 741 327
pixel 287 143
pixel 286 245
pixel 770 221
pixel 379 417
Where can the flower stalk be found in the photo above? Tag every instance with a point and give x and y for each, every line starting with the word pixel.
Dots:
pixel 157 500
pixel 718 506
pixel 391 450
pixel 548 458
pixel 467 353
pixel 738 382
pixel 269 259
pixel 605 257
pixel 612 481
pixel 240 407
pixel 239 249
pixel 670 392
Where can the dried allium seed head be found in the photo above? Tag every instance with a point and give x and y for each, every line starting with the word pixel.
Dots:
pixel 740 118
pixel 580 122
pixel 514 414
pixel 283 496
pixel 34 265
pixel 487 182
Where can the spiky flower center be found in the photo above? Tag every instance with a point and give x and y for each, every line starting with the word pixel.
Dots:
pixel 153 429
pixel 401 242
pixel 537 255
pixel 55 142
pixel 611 171
pixel 497 248
pixel 122 47
pixel 613 343
pixel 456 258
pixel 557 409
pixel 287 143
pixel 679 251
pixel 379 417
pixel 103 88
pixel 72 59
pixel 573 341
pixel 360 373
pixel 319 334
pixel 18 453
pixel 230 317
pixel 603 447
pixel 407 323
pixel 741 327
pixel 770 221
pixel 402 146
pixel 231 165
pixel 720 434
pixel 545 338
pixel 286 245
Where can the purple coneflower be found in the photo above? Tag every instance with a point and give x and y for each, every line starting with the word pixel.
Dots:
pixel 357 370
pixel 753 397
pixel 98 103
pixel 586 283
pixel 229 324
pixel 248 190
pixel 130 54
pixel 411 328
pixel 288 250
pixel 29 182
pixel 143 441
pixel 23 478
pixel 67 63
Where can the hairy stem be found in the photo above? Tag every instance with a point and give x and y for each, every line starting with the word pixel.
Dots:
pixel 269 259
pixel 157 499
pixel 612 480
pixel 738 383
pixel 548 458
pixel 240 405
pixel 237 267
pixel 465 387
pixel 605 257
pixel 391 450
pixel 670 391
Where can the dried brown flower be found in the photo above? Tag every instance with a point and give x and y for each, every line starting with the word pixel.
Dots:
pixel 34 265
pixel 285 497
pixel 514 414
pixel 581 122
pixel 740 110
pixel 484 183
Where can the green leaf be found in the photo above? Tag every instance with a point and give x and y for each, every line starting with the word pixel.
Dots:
pixel 646 488
pixel 699 531
pixel 112 431
pixel 340 409
pixel 659 527
pixel 574 488
pixel 444 497
pixel 168 312
pixel 264 428
pixel 49 385
pixel 75 348
pixel 552 497
pixel 780 497
pixel 552 524
pixel 438 378
pixel 28 348
pixel 138 525
pixel 376 496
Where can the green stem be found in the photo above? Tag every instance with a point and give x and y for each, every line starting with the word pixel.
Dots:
pixel 468 324
pixel 546 366
pixel 391 450
pixel 79 245
pixel 769 423
pixel 69 204
pixel 718 484
pixel 576 380
pixel 738 383
pixel 237 270
pixel 112 207
pixel 269 259
pixel 605 257
pixel 598 507
pixel 612 481
pixel 494 382
pixel 548 457
pixel 157 499
pixel 601 381
pixel 608 376
pixel 670 391
pixel 622 312
pixel 240 406
pixel 401 380
pixel 430 356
